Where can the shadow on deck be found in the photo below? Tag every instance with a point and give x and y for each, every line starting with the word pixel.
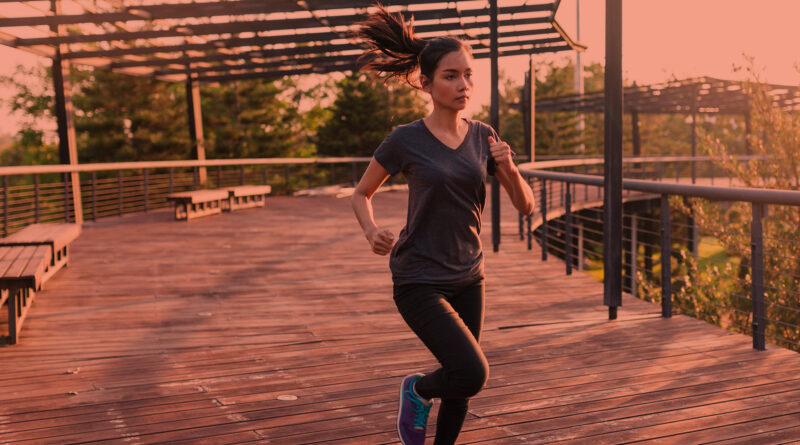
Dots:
pixel 277 325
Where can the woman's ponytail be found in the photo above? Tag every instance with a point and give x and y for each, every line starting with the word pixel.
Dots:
pixel 392 46
pixel 394 49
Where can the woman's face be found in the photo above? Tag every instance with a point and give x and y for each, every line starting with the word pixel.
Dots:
pixel 451 86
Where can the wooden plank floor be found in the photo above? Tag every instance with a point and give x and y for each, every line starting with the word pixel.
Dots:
pixel 277 326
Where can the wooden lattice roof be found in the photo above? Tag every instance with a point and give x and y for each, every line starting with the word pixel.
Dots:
pixel 704 94
pixel 221 40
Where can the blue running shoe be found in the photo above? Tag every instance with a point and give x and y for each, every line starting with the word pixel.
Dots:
pixel 412 419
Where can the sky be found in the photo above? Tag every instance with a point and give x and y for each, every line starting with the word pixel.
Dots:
pixel 661 39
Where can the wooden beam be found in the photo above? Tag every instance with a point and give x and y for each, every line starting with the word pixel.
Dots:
pixel 67 146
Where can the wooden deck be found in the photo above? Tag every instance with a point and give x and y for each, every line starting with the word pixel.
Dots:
pixel 277 326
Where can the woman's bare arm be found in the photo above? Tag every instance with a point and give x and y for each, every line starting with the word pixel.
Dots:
pixel 380 240
pixel 508 174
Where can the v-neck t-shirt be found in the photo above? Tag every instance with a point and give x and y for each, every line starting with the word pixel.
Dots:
pixel 440 242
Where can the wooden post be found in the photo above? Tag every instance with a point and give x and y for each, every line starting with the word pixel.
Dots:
pixel 67 148
pixel 195 115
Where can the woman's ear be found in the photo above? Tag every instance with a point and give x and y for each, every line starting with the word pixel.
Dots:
pixel 425 83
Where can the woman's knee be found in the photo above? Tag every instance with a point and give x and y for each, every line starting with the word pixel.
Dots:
pixel 473 378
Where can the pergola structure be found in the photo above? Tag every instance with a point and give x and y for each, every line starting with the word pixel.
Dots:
pixel 701 95
pixel 227 40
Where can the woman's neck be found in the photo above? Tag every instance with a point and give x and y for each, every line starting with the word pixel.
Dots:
pixel 444 120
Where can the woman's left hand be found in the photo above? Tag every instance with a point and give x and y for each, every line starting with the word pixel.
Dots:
pixel 501 152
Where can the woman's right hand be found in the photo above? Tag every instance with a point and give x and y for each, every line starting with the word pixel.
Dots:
pixel 381 241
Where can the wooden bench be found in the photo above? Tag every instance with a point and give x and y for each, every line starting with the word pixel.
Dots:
pixel 28 259
pixel 247 196
pixel 197 203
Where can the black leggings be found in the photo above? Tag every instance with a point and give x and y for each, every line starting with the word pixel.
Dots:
pixel 448 319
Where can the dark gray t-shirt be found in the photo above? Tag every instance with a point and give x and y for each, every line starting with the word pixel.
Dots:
pixel 447 190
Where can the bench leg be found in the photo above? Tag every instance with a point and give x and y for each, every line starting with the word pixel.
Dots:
pixel 20 300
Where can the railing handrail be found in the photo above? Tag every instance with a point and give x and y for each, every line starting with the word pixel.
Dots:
pixel 628 159
pixel 66 168
pixel 139 165
pixel 720 193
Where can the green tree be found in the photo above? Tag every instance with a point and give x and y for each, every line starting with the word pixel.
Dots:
pixel 708 286
pixel 557 132
pixel 364 112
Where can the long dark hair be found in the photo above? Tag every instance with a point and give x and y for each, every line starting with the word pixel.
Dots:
pixel 395 50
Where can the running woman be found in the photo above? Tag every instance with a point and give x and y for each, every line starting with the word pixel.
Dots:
pixel 437 261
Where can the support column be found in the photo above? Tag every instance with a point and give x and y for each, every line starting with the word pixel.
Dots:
pixel 529 110
pixel 495 121
pixel 67 147
pixel 579 75
pixel 637 140
pixel 612 207
pixel 195 116
pixel 694 135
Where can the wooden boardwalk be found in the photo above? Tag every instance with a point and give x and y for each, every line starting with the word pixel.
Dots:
pixel 277 326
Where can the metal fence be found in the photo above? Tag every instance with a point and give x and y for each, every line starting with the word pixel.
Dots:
pixel 700 250
pixel 33 194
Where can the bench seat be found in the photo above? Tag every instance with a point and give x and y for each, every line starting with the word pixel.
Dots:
pixel 247 196
pixel 197 203
pixel 28 259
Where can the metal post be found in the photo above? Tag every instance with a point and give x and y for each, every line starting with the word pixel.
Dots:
pixel 634 252
pixel 5 206
pixel 580 247
pixel 94 196
pixel 521 227
pixel 757 273
pixel 266 175
pixel 310 174
pixel 543 205
pixel 144 178
pixel 568 231
pixel 694 135
pixel 333 174
pixel 241 175
pixel 529 219
pixel 666 263
pixel 65 177
pixel 494 118
pixel 171 180
pixel 119 191
pixel 219 176
pixel 286 173
pixel 355 173
pixel 36 199
pixel 612 208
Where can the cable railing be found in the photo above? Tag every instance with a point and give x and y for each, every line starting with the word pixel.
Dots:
pixel 698 276
pixel 43 193
pixel 701 249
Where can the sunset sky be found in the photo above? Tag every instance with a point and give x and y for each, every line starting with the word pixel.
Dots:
pixel 661 39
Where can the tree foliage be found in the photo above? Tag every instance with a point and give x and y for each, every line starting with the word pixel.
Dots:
pixel 364 112
pixel 719 291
